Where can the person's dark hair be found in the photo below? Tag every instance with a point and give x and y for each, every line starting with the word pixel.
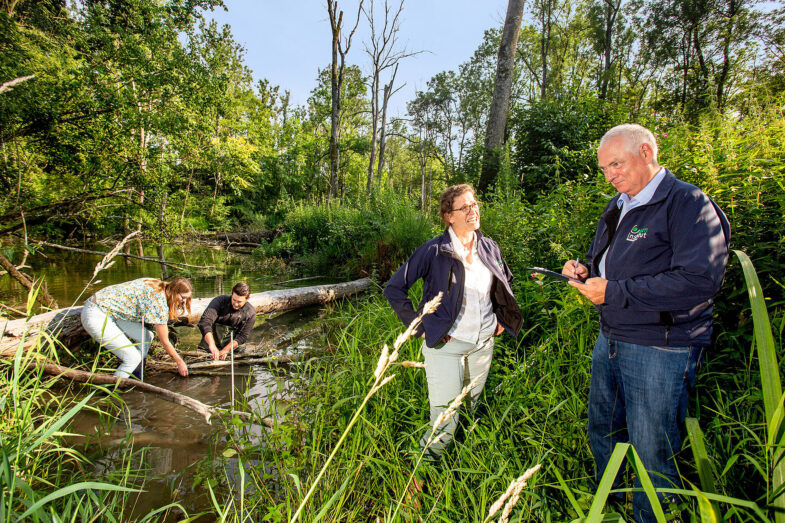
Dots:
pixel 241 289
pixel 449 195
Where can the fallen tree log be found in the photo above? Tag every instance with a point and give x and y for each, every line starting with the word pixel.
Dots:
pixel 43 296
pixel 165 366
pixel 80 376
pixel 66 325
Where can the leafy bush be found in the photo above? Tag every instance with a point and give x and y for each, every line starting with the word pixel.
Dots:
pixel 555 141
pixel 351 240
pixel 558 226
pixel 740 163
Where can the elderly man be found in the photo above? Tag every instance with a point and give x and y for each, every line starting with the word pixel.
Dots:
pixel 227 322
pixel 657 259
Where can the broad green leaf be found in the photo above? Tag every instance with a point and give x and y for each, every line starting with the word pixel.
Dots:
pixel 770 380
pixel 65 491
pixel 647 485
pixel 606 482
pixel 568 492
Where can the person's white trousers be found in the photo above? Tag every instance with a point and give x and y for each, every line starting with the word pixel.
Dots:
pixel 448 369
pixel 116 335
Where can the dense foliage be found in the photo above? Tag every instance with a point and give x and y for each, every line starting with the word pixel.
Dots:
pixel 140 114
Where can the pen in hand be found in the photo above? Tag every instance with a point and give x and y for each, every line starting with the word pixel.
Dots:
pixel 575 267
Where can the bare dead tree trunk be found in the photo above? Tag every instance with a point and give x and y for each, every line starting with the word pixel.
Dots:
pixel 731 15
pixel 374 127
pixel 335 97
pixel 546 17
pixel 340 48
pixel 500 103
pixel 388 91
pixel 144 137
pixel 162 232
pixel 185 199
pixel 423 164
pixel 381 49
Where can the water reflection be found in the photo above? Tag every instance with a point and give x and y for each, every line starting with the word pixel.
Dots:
pixel 178 437
pixel 67 272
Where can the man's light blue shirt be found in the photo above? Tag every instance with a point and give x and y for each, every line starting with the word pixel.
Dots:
pixel 626 204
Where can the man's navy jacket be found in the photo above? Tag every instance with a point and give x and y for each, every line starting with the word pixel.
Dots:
pixel 666 261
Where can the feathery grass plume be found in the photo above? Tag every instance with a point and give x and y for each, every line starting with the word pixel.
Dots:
pixel 385 360
pixel 431 306
pixel 106 261
pixel 456 403
pixel 7 86
pixel 412 364
pixel 384 357
pixel 434 438
pixel 428 308
pixel 382 384
pixel 511 495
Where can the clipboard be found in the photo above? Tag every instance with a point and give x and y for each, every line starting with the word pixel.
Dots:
pixel 553 274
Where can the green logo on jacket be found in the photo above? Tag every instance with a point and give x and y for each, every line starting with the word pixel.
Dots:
pixel 637 233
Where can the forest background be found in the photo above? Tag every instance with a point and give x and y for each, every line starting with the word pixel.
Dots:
pixel 123 115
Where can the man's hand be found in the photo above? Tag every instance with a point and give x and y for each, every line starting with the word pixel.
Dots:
pixel 214 352
pixel 224 353
pixel 499 329
pixel 579 273
pixel 593 289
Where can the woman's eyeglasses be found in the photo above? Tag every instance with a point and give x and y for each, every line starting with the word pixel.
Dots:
pixel 469 206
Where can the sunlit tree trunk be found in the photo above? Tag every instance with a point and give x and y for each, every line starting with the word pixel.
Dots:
pixel 339 50
pixel 500 104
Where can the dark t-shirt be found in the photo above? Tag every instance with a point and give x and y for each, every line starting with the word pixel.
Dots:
pixel 220 311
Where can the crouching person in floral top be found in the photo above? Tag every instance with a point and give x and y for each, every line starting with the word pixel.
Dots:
pixel 118 314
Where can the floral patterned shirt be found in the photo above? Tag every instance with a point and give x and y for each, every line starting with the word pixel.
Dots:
pixel 134 301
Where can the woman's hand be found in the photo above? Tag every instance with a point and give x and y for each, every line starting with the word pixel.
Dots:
pixel 163 336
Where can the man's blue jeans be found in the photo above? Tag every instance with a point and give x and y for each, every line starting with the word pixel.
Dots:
pixel 639 395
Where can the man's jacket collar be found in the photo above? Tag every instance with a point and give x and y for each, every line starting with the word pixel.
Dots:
pixel 660 194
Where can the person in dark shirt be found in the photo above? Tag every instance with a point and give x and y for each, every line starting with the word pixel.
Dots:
pixel 224 316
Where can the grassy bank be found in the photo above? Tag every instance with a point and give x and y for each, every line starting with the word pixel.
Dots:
pixel 533 412
pixel 46 472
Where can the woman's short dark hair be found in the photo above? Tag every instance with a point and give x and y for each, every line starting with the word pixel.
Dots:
pixel 449 195
pixel 241 289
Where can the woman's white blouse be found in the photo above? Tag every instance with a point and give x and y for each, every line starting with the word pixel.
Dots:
pixel 476 321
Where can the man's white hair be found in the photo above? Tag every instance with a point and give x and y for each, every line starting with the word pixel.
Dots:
pixel 634 136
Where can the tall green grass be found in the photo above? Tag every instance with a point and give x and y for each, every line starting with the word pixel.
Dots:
pixel 373 236
pixel 533 411
pixel 39 463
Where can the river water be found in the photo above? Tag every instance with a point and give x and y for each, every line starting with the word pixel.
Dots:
pixel 176 439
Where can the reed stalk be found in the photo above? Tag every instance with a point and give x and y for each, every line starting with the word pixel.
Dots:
pixel 386 359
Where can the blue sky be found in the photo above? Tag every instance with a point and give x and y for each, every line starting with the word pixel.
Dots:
pixel 287 41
